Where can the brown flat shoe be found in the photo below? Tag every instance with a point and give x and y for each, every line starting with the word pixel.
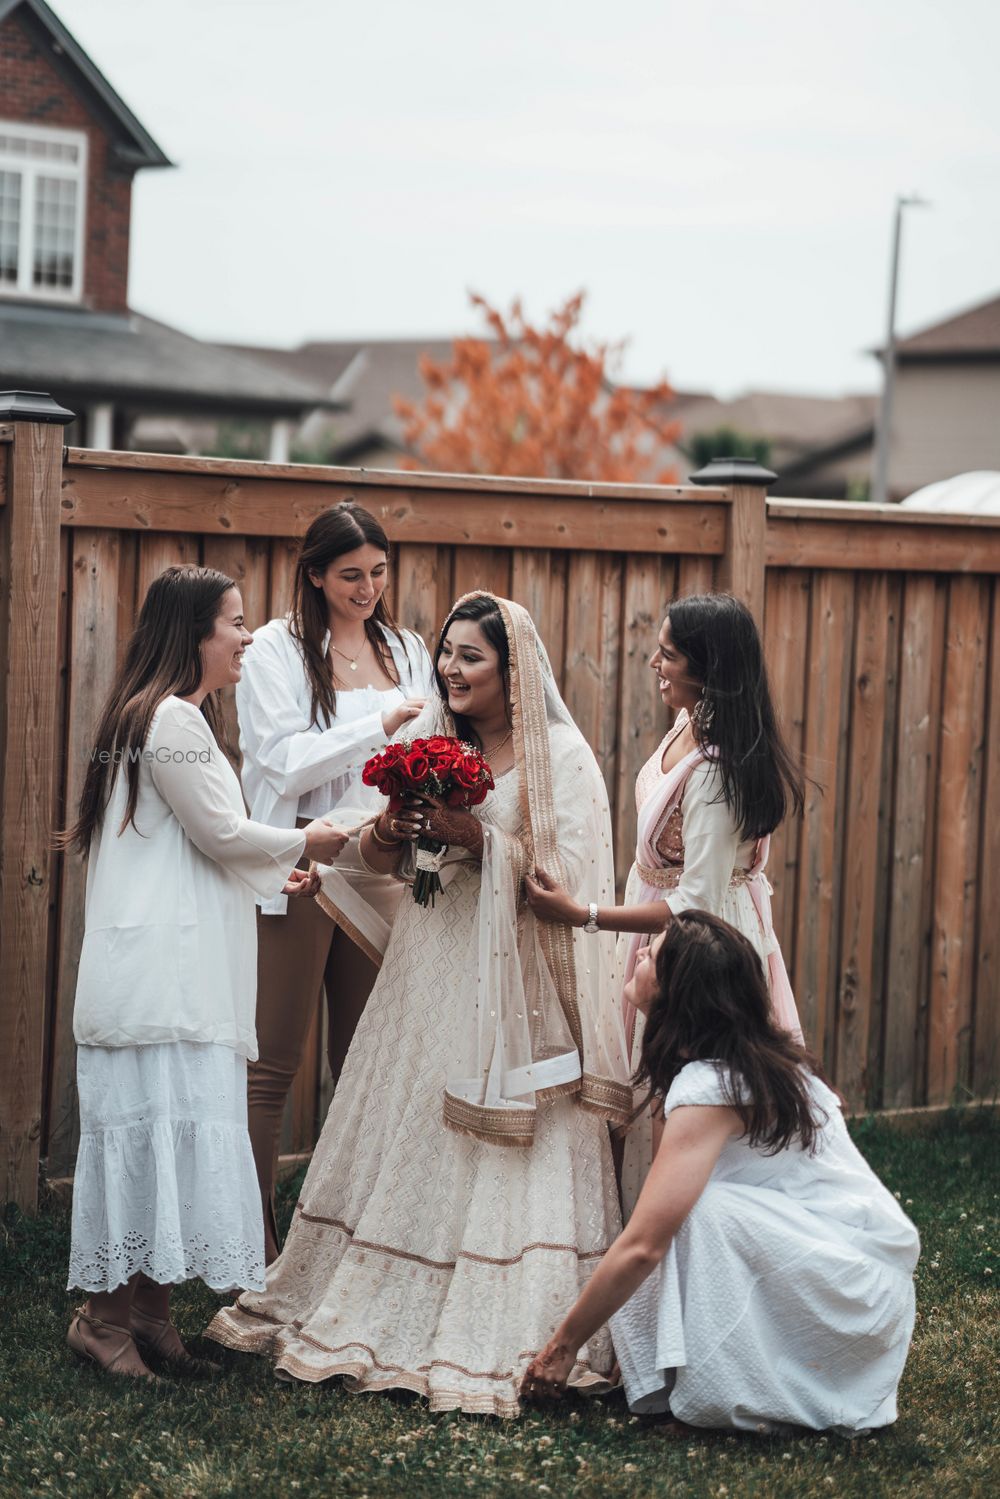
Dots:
pixel 159 1341
pixel 112 1349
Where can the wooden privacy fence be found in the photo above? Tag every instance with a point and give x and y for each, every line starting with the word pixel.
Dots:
pixel 883 639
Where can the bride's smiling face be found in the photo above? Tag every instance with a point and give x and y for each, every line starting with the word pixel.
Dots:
pixel 470 669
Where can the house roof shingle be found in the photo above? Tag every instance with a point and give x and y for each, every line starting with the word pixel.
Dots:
pixel 974 333
pixel 363 374
pixel 107 356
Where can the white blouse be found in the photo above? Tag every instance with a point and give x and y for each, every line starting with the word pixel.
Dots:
pixel 170 941
pixel 294 768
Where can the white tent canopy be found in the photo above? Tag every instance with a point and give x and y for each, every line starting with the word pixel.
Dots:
pixel 977 493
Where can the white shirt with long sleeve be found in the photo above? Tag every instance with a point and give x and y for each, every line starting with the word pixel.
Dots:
pixel 295 768
pixel 170 942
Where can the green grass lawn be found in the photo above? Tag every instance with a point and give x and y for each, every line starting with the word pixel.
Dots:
pixel 66 1430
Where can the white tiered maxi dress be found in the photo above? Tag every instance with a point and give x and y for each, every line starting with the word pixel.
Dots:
pixel 420 1258
pixel 786 1298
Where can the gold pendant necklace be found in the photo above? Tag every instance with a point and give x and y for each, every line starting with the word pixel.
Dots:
pixel 352 662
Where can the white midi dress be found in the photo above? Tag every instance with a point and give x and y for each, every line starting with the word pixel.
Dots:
pixel 786 1298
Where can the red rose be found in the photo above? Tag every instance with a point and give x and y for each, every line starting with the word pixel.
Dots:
pixel 416 767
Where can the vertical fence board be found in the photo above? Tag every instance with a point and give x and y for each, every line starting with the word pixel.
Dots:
pixel 695 575
pixel 986 1061
pixel 857 1004
pixel 817 899
pixel 593 616
pixel 786 648
pixel 60 763
pixel 128 572
pixel 953 944
pixel 641 722
pixel 917 721
pixel 284 551
pixel 486 568
pixel 414 585
pixel 158 550
pixel 883 853
pixel 93 628
pixel 538 581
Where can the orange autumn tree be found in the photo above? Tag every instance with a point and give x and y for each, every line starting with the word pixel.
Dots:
pixel 534 402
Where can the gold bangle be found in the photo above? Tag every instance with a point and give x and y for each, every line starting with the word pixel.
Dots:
pixel 385 842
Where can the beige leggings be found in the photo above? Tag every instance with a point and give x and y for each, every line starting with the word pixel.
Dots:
pixel 297 954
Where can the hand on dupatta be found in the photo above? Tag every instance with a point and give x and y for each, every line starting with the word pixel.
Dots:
pixel 550 902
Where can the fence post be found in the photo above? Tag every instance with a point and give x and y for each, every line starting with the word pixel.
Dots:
pixel 29 660
pixel 744 563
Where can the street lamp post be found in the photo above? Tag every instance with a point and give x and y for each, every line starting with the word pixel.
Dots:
pixel 883 434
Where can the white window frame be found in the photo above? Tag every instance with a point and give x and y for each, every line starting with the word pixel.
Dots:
pixel 30 170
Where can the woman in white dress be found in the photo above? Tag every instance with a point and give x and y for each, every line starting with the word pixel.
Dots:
pixel 164 1188
pixel 326 686
pixel 707 801
pixel 765 1278
pixel 463 1183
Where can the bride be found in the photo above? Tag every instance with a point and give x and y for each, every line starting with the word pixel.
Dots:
pixel 462 1191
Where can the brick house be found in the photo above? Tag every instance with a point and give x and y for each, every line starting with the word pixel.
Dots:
pixel 69 150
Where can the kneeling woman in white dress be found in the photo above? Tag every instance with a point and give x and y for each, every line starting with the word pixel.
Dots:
pixel 765 1278
pixel 165 1187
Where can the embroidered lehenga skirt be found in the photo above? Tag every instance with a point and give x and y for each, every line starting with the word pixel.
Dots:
pixel 419 1258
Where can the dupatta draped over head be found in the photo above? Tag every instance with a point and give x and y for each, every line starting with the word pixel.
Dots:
pixel 543 1016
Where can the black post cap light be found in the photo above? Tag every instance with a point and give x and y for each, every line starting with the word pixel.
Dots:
pixel 33 406
pixel 734 471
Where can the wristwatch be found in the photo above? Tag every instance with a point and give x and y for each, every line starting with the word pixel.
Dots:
pixel 590 925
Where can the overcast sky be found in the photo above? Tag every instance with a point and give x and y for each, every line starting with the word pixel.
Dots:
pixel 719 174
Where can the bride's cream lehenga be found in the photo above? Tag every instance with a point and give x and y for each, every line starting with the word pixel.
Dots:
pixel 462 1191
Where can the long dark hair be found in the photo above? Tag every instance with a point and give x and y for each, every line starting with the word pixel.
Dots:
pixel 163 657
pixel 485 612
pixel 713 1005
pixel 341 529
pixel 717 634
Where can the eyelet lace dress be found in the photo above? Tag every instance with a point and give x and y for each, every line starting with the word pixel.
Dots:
pixel 165 1180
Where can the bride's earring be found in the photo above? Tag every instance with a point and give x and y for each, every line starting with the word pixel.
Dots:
pixel 701 713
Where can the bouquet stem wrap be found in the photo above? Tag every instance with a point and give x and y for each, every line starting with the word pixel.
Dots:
pixel 427 881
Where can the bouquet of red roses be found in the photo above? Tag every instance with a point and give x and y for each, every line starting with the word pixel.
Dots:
pixel 447 769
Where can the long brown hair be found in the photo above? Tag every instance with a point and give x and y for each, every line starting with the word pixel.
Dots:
pixel 760 777
pixel 341 529
pixel 713 1005
pixel 163 657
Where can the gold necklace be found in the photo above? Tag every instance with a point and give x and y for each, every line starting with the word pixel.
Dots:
pixel 353 663
pixel 488 754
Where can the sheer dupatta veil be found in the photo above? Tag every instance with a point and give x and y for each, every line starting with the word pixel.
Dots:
pixel 543 1016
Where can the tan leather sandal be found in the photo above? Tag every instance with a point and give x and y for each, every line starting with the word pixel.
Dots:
pixel 115 1354
pixel 158 1340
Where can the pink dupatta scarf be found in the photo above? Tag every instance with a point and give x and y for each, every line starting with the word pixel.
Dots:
pixel 652 815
